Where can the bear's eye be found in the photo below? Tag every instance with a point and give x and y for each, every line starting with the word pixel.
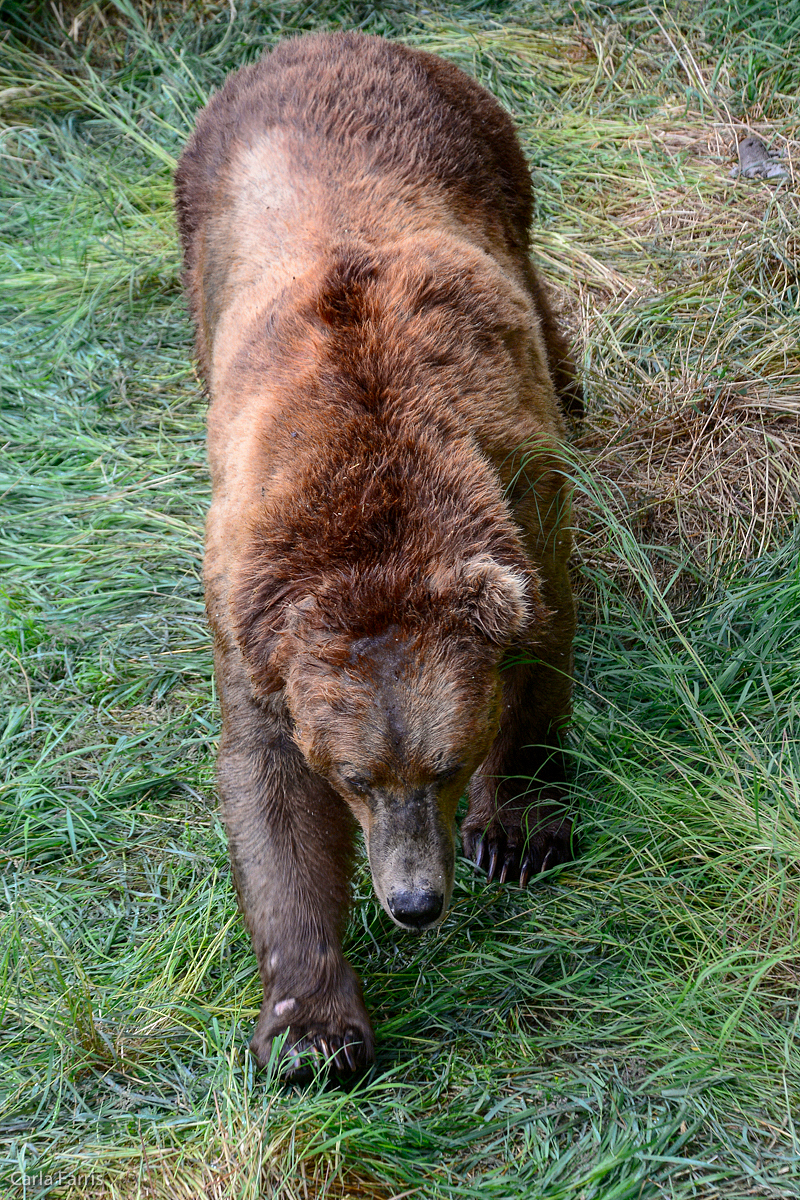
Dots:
pixel 449 772
pixel 357 783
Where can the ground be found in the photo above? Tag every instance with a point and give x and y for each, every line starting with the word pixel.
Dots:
pixel 627 1027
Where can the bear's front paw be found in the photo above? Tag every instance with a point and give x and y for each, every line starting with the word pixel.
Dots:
pixel 322 1032
pixel 344 1052
pixel 507 852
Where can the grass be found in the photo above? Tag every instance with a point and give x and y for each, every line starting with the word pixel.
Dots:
pixel 627 1027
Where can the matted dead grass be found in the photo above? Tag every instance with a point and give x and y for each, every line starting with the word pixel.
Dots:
pixel 708 469
pixel 686 323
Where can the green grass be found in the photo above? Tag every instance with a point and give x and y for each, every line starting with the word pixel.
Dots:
pixel 627 1027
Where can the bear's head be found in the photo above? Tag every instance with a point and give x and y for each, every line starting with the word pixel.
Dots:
pixel 396 708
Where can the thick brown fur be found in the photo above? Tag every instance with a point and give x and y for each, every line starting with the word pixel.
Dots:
pixel 386 550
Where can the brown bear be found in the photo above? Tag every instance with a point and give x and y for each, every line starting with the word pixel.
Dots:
pixel 386 549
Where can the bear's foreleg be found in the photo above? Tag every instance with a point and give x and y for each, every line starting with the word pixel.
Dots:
pixel 291 846
pixel 519 822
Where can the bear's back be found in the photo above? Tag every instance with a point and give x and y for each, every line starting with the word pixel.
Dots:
pixel 358 105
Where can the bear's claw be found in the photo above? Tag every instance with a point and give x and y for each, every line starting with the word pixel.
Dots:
pixel 493 851
pixel 336 1052
pixel 492 847
pixel 341 1054
pixel 333 1034
pixel 518 861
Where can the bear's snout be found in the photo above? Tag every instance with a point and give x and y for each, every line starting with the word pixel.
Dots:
pixel 411 848
pixel 417 910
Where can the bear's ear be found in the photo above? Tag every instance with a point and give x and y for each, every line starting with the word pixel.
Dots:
pixel 265 618
pixel 498 599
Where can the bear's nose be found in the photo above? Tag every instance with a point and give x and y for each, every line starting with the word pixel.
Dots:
pixel 416 908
